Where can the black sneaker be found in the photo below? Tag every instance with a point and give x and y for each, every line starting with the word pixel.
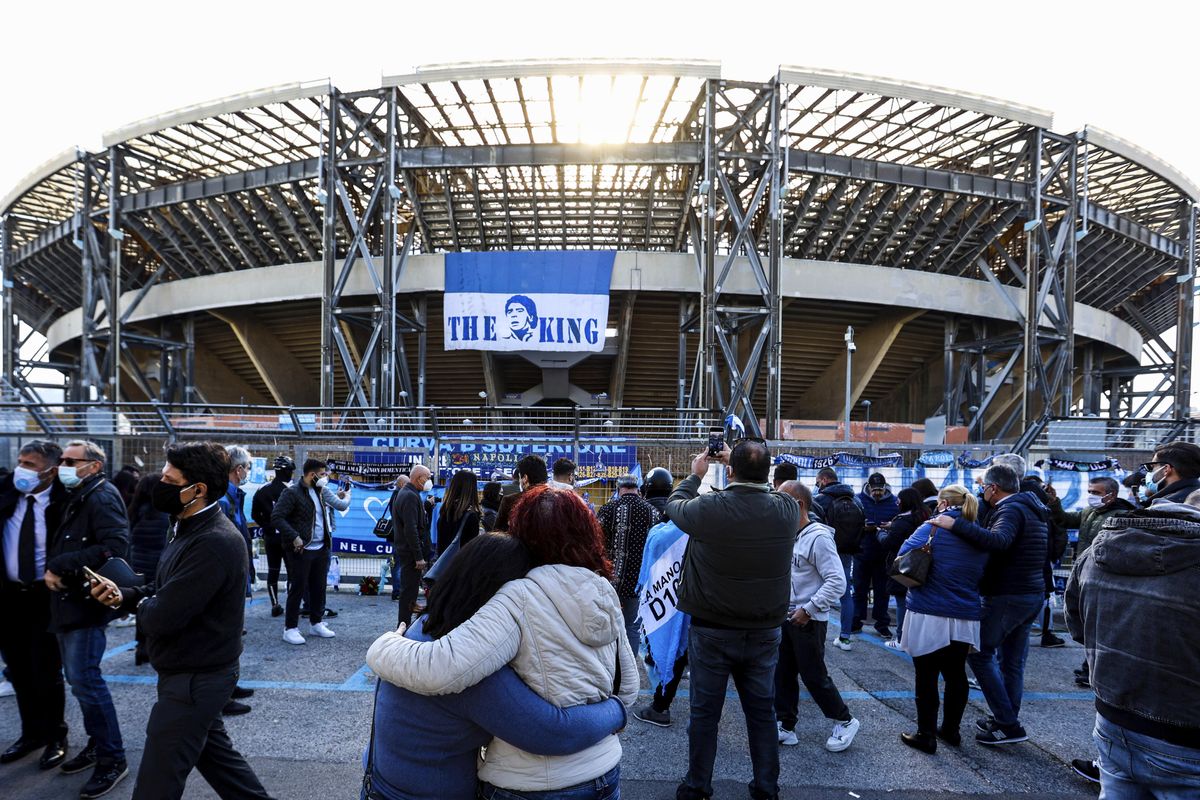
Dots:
pixel 84 759
pixel 277 610
pixel 1000 735
pixel 985 724
pixel 104 778
pixel 330 613
pixel 1050 640
pixel 1080 673
pixel 884 631
pixel 1087 768
pixel 240 693
pixel 1082 682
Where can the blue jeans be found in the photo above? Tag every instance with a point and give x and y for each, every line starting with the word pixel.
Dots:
pixel 847 621
pixel 901 608
pixel 1134 766
pixel 606 787
pixel 633 626
pixel 999 666
pixel 750 657
pixel 82 650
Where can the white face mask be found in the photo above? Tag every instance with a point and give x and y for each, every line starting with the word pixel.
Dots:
pixel 321 483
pixel 1095 501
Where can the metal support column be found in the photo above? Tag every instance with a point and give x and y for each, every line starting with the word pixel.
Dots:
pixel 8 326
pixel 1185 321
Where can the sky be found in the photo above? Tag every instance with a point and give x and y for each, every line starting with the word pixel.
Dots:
pixel 74 70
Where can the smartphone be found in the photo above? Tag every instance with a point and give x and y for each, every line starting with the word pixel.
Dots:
pixel 346 485
pixel 716 441
pixel 91 574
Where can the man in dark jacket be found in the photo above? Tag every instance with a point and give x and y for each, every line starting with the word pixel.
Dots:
pixel 1174 473
pixel 625 520
pixel 411 545
pixel 531 472
pixel 303 525
pixel 31 507
pixel 94 528
pixel 736 582
pixel 1013 588
pixel 192 616
pixel 836 501
pixel 260 510
pixel 1131 600
pixel 880 506
pixel 657 488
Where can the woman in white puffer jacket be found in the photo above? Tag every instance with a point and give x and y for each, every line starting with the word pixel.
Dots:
pixel 560 628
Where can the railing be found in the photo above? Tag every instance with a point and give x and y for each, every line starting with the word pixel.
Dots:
pixel 107 420
pixel 1111 436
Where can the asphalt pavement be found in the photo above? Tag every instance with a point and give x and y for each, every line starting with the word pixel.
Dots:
pixel 312 706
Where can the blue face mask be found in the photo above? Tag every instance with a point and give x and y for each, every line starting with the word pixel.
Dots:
pixel 25 480
pixel 69 476
pixel 1155 482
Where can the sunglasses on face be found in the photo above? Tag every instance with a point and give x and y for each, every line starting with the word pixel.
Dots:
pixel 74 462
pixel 1152 466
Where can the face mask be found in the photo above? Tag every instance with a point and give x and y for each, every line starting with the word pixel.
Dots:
pixel 321 483
pixel 166 497
pixel 25 480
pixel 1095 501
pixel 1155 482
pixel 69 476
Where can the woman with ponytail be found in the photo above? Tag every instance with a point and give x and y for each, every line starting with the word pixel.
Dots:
pixel 942 623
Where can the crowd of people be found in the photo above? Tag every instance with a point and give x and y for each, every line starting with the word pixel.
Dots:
pixel 524 664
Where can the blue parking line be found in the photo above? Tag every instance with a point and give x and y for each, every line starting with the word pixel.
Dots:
pixel 116 651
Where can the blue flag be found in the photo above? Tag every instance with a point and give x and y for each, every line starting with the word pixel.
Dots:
pixel 665 625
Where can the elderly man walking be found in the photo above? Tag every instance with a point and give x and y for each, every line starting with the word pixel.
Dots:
pixel 736 584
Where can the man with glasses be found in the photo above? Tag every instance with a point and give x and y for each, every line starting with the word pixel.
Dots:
pixel 233 506
pixel 1174 473
pixel 94 528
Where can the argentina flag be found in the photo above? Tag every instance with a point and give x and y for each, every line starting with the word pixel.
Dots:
pixel 547 301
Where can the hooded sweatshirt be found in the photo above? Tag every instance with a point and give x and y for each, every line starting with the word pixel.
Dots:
pixel 560 628
pixel 1132 601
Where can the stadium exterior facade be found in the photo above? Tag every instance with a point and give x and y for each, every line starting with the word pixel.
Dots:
pixel 286 247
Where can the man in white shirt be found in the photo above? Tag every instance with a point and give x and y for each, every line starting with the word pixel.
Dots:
pixel 818 583
pixel 31 504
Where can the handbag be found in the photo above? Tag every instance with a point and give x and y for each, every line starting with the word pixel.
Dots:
pixel 912 568
pixel 448 554
pixel 383 525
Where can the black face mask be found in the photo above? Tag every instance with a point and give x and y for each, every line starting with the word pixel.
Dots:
pixel 166 498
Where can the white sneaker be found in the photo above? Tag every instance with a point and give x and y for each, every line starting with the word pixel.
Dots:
pixel 6 689
pixel 126 621
pixel 842 643
pixel 786 738
pixel 292 636
pixel 843 734
pixel 322 630
pixel 893 643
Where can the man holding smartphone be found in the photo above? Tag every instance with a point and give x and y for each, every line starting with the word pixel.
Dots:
pixel 192 616
pixel 302 520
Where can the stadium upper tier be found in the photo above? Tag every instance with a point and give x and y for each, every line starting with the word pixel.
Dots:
pixel 600 155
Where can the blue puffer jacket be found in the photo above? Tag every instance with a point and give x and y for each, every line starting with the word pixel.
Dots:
pixel 952 588
pixel 877 513
pixel 1017 536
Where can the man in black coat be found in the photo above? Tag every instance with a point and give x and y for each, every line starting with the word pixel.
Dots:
pixel 1174 473
pixel 31 507
pixel 192 615
pixel 302 520
pixel 94 529
pixel 264 501
pixel 411 545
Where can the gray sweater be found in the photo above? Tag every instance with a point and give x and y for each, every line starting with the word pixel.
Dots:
pixel 818 580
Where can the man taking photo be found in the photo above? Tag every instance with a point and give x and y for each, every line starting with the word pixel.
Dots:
pixel 192 617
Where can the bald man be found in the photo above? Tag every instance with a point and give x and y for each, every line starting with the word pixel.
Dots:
pixel 411 545
pixel 818 582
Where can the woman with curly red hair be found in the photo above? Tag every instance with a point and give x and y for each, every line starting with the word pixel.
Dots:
pixel 560 628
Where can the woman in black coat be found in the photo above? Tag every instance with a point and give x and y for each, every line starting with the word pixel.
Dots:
pixel 913 512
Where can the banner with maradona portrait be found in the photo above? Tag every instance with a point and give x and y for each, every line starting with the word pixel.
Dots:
pixel 551 301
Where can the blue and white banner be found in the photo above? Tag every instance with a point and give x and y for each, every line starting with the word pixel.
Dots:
pixel 552 301
pixel 665 626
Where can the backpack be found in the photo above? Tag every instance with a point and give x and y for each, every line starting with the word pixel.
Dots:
pixel 848 522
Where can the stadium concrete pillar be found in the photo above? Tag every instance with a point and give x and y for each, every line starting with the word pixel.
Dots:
pixel 743 175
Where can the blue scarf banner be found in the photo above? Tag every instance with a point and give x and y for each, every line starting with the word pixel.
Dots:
pixel 840 460
pixel 666 627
